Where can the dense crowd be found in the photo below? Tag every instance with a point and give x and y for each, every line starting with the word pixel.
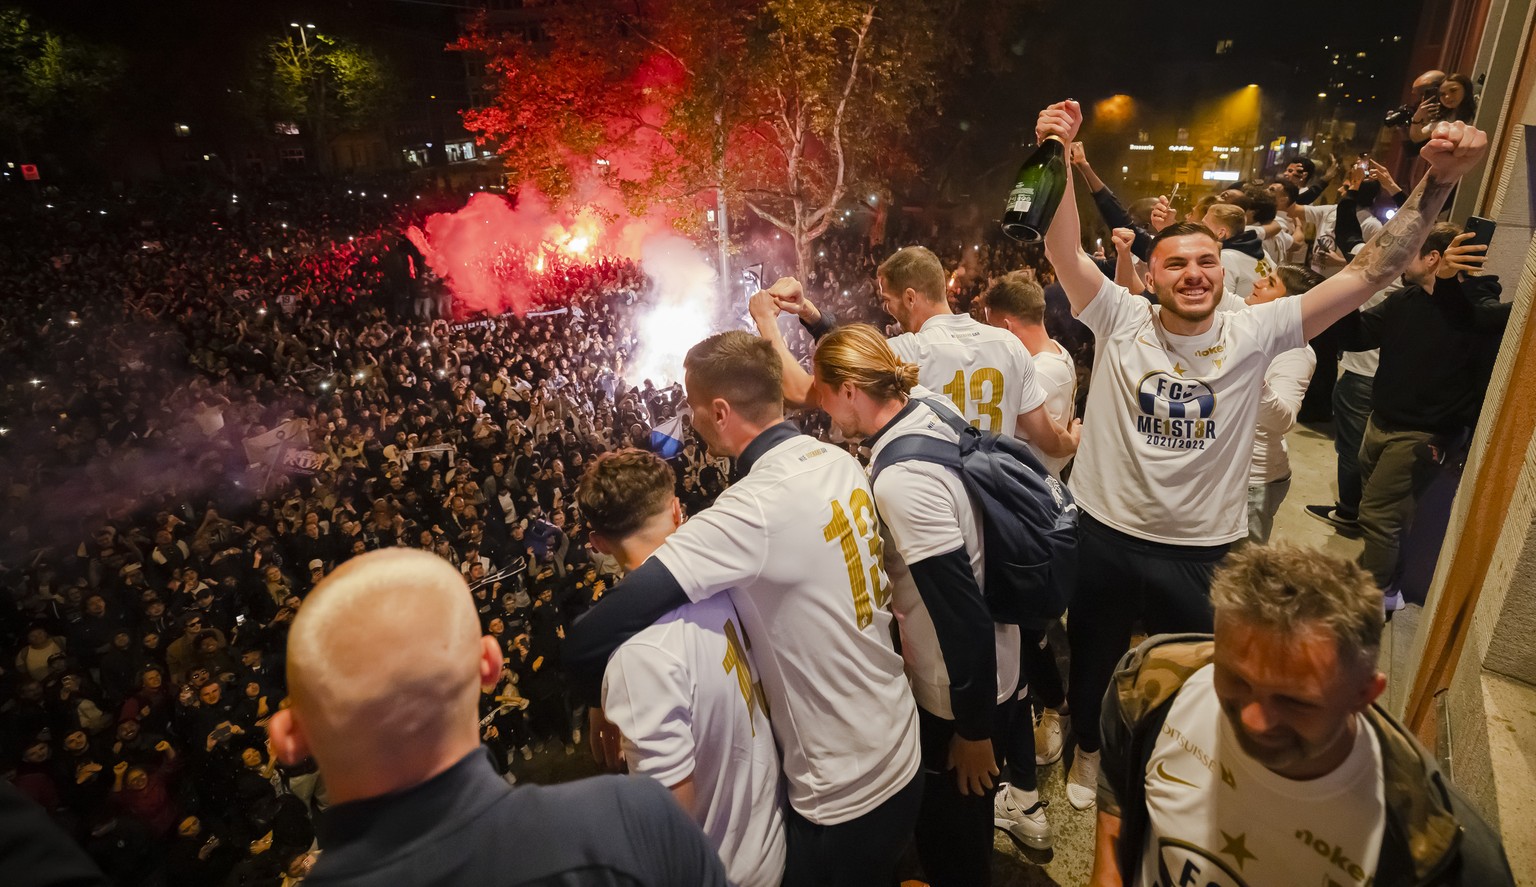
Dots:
pixel 155 561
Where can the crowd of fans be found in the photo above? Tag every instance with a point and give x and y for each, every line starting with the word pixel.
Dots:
pixel 154 560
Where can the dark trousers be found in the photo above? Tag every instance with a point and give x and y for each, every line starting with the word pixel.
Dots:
pixel 1391 462
pixel 1122 580
pixel 1016 718
pixel 1038 669
pixel 1351 409
pixel 954 830
pixel 861 852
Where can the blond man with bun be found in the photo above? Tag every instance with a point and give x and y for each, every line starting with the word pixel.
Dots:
pixel 962 665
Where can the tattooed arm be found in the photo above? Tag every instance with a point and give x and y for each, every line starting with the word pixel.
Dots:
pixel 1453 149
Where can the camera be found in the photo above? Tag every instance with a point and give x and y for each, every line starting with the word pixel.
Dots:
pixel 1399 116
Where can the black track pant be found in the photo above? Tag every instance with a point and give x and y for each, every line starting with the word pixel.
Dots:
pixel 1122 580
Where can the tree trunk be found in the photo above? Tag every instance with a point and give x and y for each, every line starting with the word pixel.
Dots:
pixel 802 244
pixel 721 209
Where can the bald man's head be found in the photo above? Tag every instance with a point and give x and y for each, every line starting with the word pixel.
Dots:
pixel 385 661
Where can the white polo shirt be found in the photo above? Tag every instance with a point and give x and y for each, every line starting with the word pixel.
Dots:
pixel 1168 429
pixel 926 512
pixel 984 371
pixel 797 543
pixel 685 696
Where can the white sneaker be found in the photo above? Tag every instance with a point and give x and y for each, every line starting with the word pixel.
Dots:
pixel 1048 741
pixel 1027 824
pixel 510 778
pixel 1083 780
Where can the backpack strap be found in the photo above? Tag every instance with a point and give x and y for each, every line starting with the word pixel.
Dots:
pixel 947 414
pixel 915 448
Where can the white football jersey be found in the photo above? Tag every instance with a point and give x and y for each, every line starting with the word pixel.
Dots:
pixel 797 543
pixel 984 371
pixel 1217 816
pixel 685 696
pixel 926 512
pixel 1057 375
pixel 1168 429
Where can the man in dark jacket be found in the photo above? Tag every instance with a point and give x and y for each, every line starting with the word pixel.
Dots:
pixel 385 668
pixel 1261 746
pixel 1438 337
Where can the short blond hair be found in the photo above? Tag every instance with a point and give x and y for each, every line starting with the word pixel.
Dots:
pixel 857 353
pixel 1289 589
pixel 1019 294
pixel 916 268
pixel 1229 216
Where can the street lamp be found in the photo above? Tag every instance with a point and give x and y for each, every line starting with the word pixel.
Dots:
pixel 303 36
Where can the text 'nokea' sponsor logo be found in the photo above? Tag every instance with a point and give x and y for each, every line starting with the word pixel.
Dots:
pixel 1335 855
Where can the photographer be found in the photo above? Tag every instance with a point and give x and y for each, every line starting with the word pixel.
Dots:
pixel 1441 97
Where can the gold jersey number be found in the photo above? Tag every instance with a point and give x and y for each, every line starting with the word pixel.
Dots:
pixel 865 580
pixel 985 400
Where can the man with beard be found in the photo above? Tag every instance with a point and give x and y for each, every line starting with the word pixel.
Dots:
pixel 1261 748
pixel 1162 473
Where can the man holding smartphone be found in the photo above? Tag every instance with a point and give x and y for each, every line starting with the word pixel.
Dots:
pixel 1438 337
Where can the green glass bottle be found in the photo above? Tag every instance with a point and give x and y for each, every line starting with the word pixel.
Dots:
pixel 1036 192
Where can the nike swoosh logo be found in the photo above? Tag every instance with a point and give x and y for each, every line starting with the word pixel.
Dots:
pixel 1163 772
pixel 1149 344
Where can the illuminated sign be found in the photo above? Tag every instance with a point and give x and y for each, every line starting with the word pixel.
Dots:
pixel 1181 147
pixel 1141 147
pixel 1220 175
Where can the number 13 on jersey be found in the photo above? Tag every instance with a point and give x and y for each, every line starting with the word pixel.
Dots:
pixel 865 579
pixel 983 406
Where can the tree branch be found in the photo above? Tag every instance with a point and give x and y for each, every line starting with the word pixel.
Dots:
pixel 838 187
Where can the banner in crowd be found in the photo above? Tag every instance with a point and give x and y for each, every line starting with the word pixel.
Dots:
pixel 433 449
pixel 485 323
pixel 264 448
pixel 303 461
pixel 667 438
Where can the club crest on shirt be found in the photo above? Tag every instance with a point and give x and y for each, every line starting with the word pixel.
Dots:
pixel 1175 413
pixel 1182 864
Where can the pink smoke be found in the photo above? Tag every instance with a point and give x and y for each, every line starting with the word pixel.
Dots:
pixel 493 252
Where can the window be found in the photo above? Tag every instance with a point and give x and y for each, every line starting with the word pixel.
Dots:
pixel 415 156
pixel 182 130
pixel 286 128
pixel 458 151
pixel 1223 47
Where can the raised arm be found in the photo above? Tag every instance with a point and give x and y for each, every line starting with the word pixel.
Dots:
pixel 796 382
pixel 1453 149
pixel 1079 276
pixel 1125 261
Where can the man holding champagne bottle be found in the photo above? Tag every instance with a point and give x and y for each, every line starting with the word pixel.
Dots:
pixel 1168 430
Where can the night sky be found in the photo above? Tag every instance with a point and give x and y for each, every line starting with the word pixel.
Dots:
pixel 183 54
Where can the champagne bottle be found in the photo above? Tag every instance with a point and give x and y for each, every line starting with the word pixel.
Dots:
pixel 1037 192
